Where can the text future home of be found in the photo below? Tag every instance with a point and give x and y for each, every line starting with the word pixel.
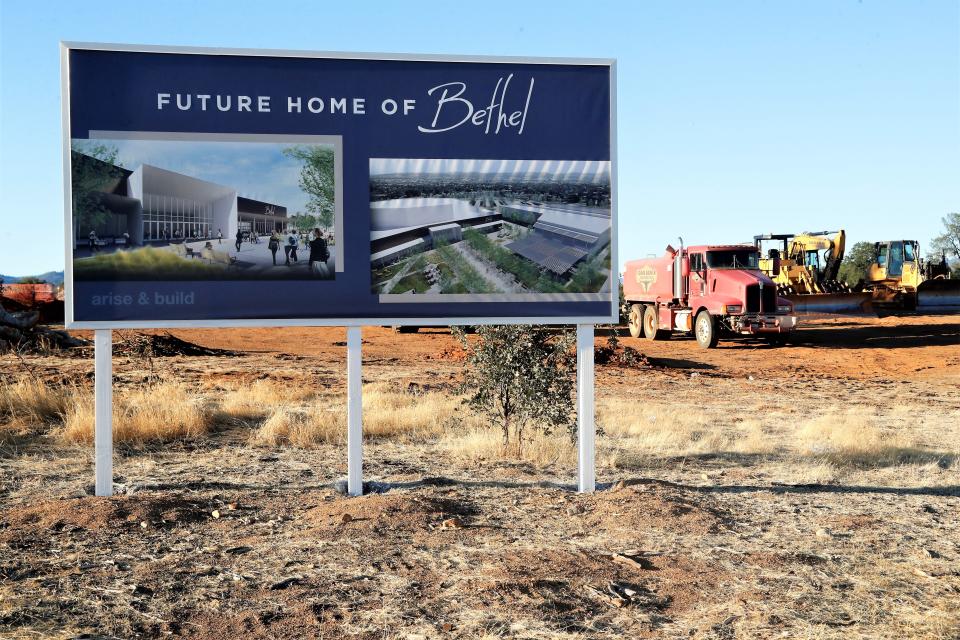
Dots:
pixel 449 111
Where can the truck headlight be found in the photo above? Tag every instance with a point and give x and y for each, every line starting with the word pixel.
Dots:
pixel 784 308
pixel 734 308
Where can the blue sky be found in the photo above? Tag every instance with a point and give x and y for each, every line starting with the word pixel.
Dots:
pixel 735 118
pixel 256 170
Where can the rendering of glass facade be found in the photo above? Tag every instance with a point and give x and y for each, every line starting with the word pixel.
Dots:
pixel 169 217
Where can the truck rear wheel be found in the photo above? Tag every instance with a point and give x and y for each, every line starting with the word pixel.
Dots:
pixel 706 330
pixel 650 324
pixel 635 323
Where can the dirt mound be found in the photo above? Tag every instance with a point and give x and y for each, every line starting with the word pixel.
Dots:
pixel 297 620
pixel 395 512
pixel 98 514
pixel 453 353
pixel 635 507
pixel 161 346
pixel 619 356
pixel 570 587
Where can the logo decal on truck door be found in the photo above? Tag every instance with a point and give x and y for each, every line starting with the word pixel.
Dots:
pixel 646 276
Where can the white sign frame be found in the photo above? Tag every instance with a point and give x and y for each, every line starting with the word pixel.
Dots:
pixel 71 323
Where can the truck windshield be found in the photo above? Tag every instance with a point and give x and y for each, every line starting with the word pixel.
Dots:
pixel 738 259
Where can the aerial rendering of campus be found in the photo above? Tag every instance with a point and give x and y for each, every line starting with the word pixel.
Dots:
pixel 202 210
pixel 510 227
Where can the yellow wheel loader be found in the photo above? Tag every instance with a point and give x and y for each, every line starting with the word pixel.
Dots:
pixel 805 268
pixel 899 280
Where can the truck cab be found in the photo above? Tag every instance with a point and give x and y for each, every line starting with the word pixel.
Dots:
pixel 706 290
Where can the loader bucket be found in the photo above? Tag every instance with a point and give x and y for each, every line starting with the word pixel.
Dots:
pixel 938 296
pixel 832 303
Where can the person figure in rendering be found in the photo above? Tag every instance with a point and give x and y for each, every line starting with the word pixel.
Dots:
pixel 126 240
pixel 219 236
pixel 273 245
pixel 291 249
pixel 318 254
pixel 92 239
pixel 239 240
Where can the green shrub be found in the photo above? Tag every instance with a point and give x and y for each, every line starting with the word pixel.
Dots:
pixel 146 263
pixel 519 376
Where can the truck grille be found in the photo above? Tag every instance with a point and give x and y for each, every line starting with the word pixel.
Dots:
pixel 753 298
pixel 769 299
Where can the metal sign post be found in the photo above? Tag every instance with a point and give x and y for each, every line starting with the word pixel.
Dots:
pixel 103 411
pixel 586 432
pixel 354 412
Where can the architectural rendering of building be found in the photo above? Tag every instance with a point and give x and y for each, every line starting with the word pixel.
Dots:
pixel 562 234
pixel 151 204
pixel 404 226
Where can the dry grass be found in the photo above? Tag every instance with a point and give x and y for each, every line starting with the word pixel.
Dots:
pixel 303 426
pixel 33 402
pixel 258 399
pixel 857 437
pixel 28 407
pixel 637 434
pixel 827 441
pixel 480 444
pixel 158 413
pixel 404 416
pixel 387 414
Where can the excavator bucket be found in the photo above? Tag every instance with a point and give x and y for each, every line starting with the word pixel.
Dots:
pixel 938 296
pixel 832 303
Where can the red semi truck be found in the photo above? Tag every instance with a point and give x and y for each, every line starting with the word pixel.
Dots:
pixel 707 290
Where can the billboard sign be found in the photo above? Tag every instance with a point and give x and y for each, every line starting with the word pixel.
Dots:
pixel 214 187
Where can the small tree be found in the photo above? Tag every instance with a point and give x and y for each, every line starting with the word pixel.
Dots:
pixel 316 180
pixel 856 263
pixel 521 376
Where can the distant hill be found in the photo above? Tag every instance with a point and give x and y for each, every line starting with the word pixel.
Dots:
pixel 53 277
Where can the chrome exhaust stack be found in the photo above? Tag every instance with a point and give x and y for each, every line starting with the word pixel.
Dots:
pixel 679 282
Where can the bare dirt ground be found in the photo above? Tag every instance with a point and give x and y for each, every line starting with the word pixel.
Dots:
pixel 710 535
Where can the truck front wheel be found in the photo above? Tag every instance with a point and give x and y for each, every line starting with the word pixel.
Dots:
pixel 708 334
pixel 636 320
pixel 650 324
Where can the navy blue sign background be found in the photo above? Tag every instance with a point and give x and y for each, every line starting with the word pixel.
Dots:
pixel 569 118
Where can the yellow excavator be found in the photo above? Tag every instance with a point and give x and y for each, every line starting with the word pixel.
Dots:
pixel 805 267
pixel 899 280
